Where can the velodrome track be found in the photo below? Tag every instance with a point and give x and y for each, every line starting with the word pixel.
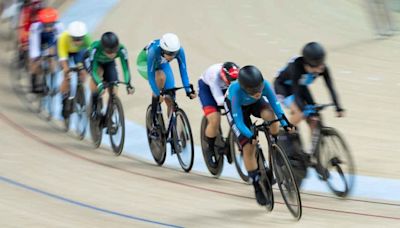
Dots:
pixel 49 179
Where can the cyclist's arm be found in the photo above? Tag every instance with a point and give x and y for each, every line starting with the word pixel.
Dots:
pixel 95 66
pixel 59 29
pixel 62 49
pixel 329 84
pixel 123 56
pixel 217 92
pixel 300 92
pixel 151 69
pixel 237 114
pixel 269 93
pixel 34 41
pixel 183 70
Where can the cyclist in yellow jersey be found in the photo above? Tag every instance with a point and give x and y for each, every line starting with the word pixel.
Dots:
pixel 72 46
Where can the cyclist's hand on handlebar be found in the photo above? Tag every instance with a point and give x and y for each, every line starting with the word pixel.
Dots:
pixel 191 94
pixel 254 140
pixel 130 89
pixel 100 88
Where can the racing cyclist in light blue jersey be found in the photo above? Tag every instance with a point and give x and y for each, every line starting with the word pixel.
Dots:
pixel 252 95
pixel 159 73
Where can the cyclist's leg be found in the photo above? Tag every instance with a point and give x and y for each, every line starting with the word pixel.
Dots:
pixel 169 82
pixel 79 58
pixel 160 81
pixel 248 150
pixel 210 109
pixel 262 109
pixel 110 74
pixel 34 65
pixel 94 90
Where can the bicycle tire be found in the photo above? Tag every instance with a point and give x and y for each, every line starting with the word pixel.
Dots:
pixel 116 106
pixel 281 165
pixel 183 139
pixel 348 180
pixel 158 147
pixel 216 168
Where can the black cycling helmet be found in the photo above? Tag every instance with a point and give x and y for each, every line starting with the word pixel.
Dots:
pixel 110 42
pixel 229 72
pixel 314 54
pixel 251 80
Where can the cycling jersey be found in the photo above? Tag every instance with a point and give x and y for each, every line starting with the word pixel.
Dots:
pixel 294 80
pixel 39 39
pixel 211 77
pixel 155 61
pixel 238 98
pixel 97 57
pixel 65 45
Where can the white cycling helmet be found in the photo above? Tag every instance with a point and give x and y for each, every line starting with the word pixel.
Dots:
pixel 77 29
pixel 169 43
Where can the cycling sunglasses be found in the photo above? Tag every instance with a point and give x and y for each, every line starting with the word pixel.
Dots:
pixel 254 90
pixel 48 25
pixel 111 51
pixel 169 53
pixel 77 39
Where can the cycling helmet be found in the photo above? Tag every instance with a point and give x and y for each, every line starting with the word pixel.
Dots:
pixel 251 80
pixel 229 72
pixel 313 54
pixel 170 44
pixel 110 42
pixel 48 15
pixel 77 29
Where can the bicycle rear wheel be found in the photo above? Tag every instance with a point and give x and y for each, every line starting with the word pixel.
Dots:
pixel 116 125
pixel 215 167
pixel 286 181
pixel 336 160
pixel 237 157
pixel 81 113
pixel 184 147
pixel 158 146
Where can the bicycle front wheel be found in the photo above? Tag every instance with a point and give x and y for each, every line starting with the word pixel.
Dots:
pixel 335 159
pixel 116 125
pixel 184 144
pixel 286 181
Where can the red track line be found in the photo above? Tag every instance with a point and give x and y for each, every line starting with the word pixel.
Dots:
pixel 27 133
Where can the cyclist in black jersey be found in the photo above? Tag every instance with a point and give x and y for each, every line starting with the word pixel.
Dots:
pixel 291 84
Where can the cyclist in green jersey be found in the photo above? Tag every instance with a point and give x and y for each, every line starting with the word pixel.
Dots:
pixel 102 64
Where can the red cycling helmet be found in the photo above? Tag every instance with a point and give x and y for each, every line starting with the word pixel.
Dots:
pixel 48 15
pixel 229 72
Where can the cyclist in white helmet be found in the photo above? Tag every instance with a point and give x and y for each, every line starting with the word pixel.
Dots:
pixel 153 64
pixel 72 46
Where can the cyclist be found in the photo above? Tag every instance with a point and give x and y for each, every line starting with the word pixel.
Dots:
pixel 291 83
pixel 42 38
pixel 103 68
pixel 28 15
pixel 72 46
pixel 158 54
pixel 252 95
pixel 213 84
